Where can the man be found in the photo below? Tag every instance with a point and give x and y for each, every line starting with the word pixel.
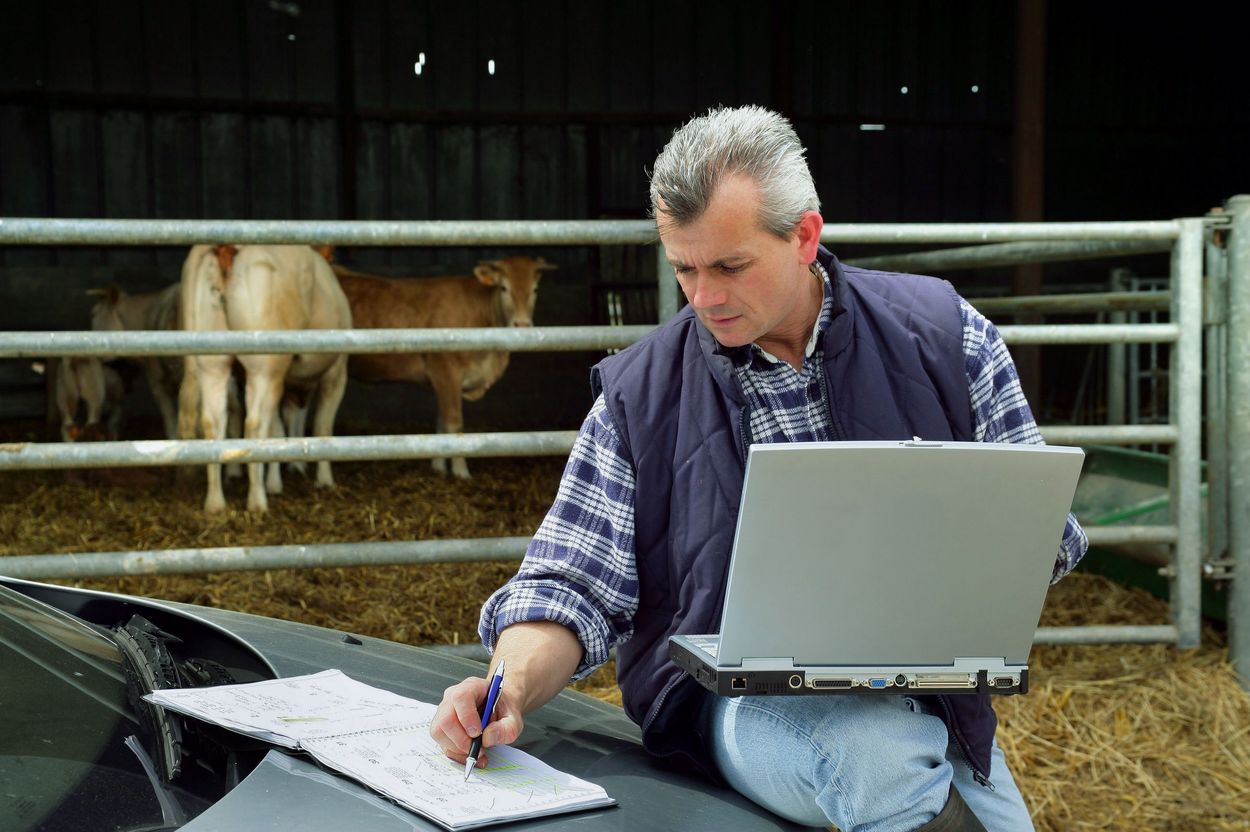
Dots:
pixel 780 342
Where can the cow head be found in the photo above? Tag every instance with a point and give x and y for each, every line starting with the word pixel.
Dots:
pixel 515 280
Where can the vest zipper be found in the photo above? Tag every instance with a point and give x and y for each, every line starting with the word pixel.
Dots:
pixel 953 726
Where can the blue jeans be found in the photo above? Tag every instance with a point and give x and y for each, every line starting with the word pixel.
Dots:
pixel 861 763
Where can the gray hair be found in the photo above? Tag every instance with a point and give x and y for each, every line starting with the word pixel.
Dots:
pixel 742 140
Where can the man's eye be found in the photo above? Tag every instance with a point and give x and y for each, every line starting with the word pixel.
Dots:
pixel 732 269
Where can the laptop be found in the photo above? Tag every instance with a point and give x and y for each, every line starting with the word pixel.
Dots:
pixel 887 568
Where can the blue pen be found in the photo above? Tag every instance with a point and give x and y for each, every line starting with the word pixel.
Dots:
pixel 492 695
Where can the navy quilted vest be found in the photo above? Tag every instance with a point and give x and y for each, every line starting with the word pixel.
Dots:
pixel 894 366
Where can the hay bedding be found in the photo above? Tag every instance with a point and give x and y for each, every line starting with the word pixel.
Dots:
pixel 1115 737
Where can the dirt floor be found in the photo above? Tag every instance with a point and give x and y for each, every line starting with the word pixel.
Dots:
pixel 1109 737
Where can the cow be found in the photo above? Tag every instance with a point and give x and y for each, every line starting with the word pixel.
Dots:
pixel 499 293
pixel 117 311
pixel 260 288
pixel 88 397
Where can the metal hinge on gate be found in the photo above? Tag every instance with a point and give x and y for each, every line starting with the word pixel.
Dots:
pixel 1220 569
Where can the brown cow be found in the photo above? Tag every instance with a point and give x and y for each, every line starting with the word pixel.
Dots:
pixel 500 293
pixel 261 288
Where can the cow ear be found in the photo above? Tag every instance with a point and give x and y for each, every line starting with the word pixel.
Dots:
pixel 543 266
pixel 225 257
pixel 327 252
pixel 489 272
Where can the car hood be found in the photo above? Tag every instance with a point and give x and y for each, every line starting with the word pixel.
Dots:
pixel 575 733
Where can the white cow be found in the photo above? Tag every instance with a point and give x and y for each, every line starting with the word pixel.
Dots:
pixel 88 397
pixel 261 288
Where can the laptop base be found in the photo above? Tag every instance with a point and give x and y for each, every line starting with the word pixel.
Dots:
pixel 798 681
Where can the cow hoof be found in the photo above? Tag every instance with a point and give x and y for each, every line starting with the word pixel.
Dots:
pixel 212 506
pixel 257 506
pixel 325 484
pixel 233 471
pixel 461 472
pixel 439 465
pixel 301 467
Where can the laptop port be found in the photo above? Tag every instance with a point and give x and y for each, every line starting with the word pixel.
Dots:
pixel 900 681
pixel 877 683
pixel 1004 682
pixel 944 680
pixel 831 683
pixel 738 683
pixel 796 681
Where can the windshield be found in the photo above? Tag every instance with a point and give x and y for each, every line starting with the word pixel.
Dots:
pixel 65 758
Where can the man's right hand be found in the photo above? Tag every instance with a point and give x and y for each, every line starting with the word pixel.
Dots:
pixel 459 719
pixel 541 657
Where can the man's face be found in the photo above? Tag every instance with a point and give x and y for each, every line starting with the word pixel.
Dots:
pixel 745 284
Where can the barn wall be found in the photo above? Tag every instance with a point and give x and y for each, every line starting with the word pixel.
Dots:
pixel 234 109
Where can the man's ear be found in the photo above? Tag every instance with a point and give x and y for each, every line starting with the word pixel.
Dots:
pixel 808 232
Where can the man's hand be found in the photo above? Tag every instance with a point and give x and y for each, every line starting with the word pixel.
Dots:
pixel 459 719
pixel 541 657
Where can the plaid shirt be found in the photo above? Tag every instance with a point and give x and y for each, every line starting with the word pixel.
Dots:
pixel 580 569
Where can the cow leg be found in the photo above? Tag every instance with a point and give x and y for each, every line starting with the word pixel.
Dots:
pixel 164 402
pixel 264 391
pixel 328 397
pixel 295 418
pixel 273 477
pixel 234 423
pixel 447 385
pixel 214 373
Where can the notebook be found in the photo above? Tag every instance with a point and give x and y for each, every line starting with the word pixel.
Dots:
pixel 887 567
pixel 382 740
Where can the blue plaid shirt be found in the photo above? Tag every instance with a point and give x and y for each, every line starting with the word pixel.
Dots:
pixel 579 569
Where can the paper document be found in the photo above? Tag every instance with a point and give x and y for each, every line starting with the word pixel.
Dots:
pixel 382 740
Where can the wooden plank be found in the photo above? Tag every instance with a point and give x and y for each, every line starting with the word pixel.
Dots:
pixel 962 172
pixel 453 63
pixel 373 180
pixel 71 51
pixel 23 48
pixel 673 29
pixel 837 158
pixel 836 61
pixel 498 42
pixel 75 176
pixel 24 144
pixel 219 49
pixel 176 187
pixel 168 29
pixel 455 173
pixel 544 33
pixel 271 168
pixel 269 40
pixel 628 47
pixel 717 56
pixel 127 178
pixel 314 54
pixel 585 56
pixel 316 152
pixel 371 33
pixel 920 162
pixel 500 172
pixel 622 177
pixel 406 37
pixel 755 38
pixel 223 140
pixel 544 173
pixel 411 189
pixel 119 44
pixel 879 176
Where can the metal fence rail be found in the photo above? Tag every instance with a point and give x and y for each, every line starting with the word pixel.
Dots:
pixel 1012 243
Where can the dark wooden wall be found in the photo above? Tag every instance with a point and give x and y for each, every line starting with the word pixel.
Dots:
pixel 241 109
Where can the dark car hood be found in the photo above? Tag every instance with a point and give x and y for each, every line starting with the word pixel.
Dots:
pixel 573 732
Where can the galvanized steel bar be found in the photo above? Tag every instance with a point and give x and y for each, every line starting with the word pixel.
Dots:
pixel 1238 423
pixel 1117 359
pixel 252 342
pixel 1090 333
pixel 1185 403
pixel 1085 302
pixel 667 295
pixel 1010 254
pixel 98 232
pixel 1108 634
pixel 45 231
pixel 1109 434
pixel 26 456
pixel 1118 535
pixel 1215 375
pixel 531 339
pixel 245 558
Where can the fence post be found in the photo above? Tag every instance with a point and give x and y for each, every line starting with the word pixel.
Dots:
pixel 1237 422
pixel 1185 402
